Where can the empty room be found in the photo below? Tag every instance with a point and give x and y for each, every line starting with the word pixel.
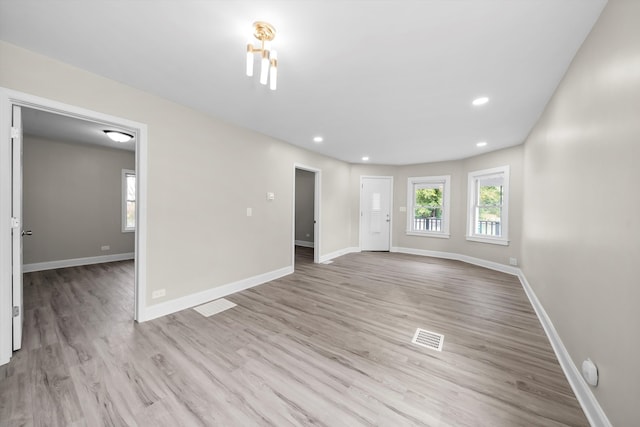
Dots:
pixel 338 213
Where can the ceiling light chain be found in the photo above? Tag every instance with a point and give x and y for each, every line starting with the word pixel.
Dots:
pixel 265 33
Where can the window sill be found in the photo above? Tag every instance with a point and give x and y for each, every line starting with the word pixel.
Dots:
pixel 426 234
pixel 491 240
pixel 129 230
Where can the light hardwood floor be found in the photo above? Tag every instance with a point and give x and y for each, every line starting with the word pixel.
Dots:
pixel 327 345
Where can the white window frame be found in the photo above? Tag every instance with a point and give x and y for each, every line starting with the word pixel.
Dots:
pixel 125 173
pixel 474 177
pixel 446 198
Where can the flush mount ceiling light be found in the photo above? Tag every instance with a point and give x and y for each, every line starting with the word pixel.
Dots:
pixel 118 136
pixel 365 158
pixel 480 101
pixel 265 33
pixel 481 144
pixel 318 139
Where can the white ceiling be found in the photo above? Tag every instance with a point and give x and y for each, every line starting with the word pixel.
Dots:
pixel 390 79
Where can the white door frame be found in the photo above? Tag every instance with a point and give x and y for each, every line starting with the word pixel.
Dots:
pixel 8 98
pixel 17 144
pixel 316 212
pixel 360 226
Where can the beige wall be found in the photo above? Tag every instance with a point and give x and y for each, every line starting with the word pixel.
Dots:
pixel 72 198
pixel 581 234
pixel 585 143
pixel 459 169
pixel 305 187
pixel 199 236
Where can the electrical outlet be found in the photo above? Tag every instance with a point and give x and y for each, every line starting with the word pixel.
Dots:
pixel 513 261
pixel 159 293
pixel 105 248
pixel 403 208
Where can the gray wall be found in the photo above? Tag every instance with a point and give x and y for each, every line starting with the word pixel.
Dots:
pixel 581 234
pixel 72 200
pixel 305 184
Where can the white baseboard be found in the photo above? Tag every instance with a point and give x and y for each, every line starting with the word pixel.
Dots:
pixel 586 398
pixel 188 301
pixel 458 257
pixel 592 409
pixel 336 254
pixel 75 262
pixel 304 243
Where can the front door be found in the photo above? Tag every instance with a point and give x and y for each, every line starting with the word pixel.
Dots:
pixel 375 214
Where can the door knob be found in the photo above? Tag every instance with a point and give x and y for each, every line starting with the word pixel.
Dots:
pixel 27 232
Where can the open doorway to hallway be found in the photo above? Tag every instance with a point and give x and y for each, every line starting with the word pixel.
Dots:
pixel 306 214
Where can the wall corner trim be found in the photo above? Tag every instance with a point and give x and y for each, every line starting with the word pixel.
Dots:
pixel 304 243
pixel 75 262
pixel 592 409
pixel 458 257
pixel 338 253
pixel 188 301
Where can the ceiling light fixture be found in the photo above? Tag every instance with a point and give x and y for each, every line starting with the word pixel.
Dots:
pixel 480 101
pixel 318 139
pixel 265 33
pixel 481 144
pixel 117 136
pixel 365 159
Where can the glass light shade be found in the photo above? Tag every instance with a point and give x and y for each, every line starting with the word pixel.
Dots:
pixel 249 60
pixel 264 68
pixel 118 136
pixel 273 70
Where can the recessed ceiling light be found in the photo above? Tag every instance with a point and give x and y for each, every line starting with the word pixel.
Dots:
pixel 365 159
pixel 118 136
pixel 480 101
pixel 318 139
pixel 481 144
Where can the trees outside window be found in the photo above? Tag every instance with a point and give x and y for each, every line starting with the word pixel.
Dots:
pixel 128 200
pixel 488 206
pixel 428 206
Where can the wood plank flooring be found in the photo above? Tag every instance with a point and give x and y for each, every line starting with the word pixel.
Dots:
pixel 328 345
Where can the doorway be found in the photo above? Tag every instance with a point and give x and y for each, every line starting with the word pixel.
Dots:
pixel 306 213
pixel 375 212
pixel 10 271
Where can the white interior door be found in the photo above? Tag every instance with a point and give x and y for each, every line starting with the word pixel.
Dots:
pixel 16 225
pixel 375 213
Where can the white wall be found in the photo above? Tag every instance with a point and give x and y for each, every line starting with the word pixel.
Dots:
pixel 72 200
pixel 581 234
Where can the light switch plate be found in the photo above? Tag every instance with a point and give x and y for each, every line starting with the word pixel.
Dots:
pixel 249 211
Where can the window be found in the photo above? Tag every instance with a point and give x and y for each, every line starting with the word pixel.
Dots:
pixel 488 206
pixel 128 200
pixel 428 210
